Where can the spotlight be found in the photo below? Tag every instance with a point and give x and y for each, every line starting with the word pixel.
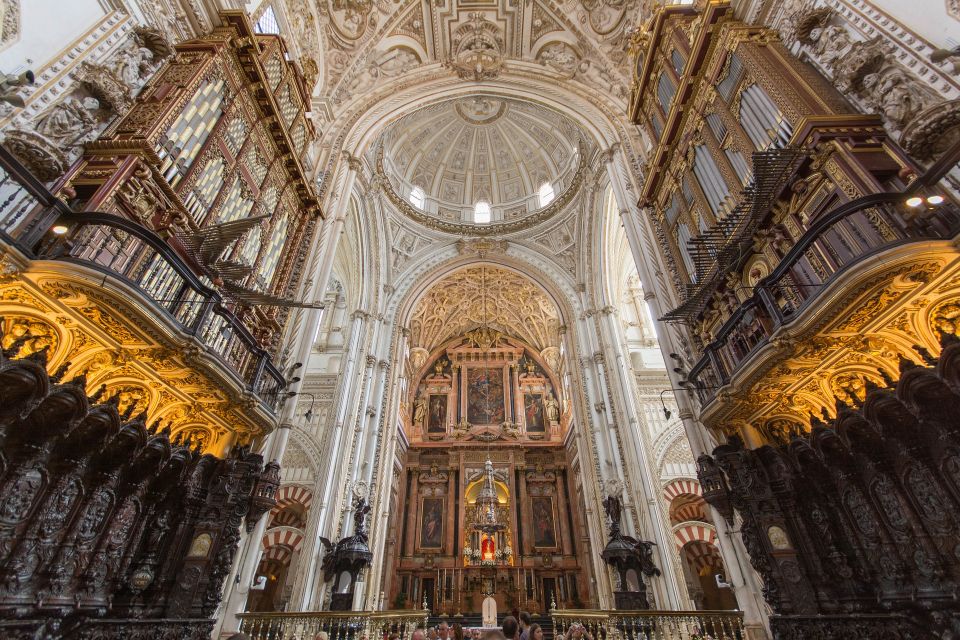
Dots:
pixel 308 415
pixel 935 200
pixel 59 229
pixel 294 380
pixel 666 413
pixel 915 201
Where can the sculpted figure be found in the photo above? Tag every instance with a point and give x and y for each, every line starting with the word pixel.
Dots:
pixel 71 122
pixel 419 411
pixel 551 408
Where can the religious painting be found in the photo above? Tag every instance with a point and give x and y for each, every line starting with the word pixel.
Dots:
pixel 437 420
pixel 544 532
pixel 431 523
pixel 485 399
pixel 533 411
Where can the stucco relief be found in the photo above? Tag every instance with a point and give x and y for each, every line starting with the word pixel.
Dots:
pixel 499 298
pixel 872 71
pixel 9 22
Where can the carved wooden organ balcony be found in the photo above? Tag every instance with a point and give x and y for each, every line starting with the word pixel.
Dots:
pixel 778 206
pixel 177 242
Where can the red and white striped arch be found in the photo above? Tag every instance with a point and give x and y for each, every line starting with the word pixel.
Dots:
pixel 277 554
pixel 293 494
pixel 680 487
pixel 687 532
pixel 282 536
pixel 685 511
pixel 702 556
pixel 293 518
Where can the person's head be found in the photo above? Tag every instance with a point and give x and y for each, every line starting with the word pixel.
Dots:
pixel 418 635
pixel 510 627
pixel 321 635
pixel 524 620
pixel 576 631
pixel 535 633
pixel 475 634
pixel 443 631
pixel 457 631
pixel 432 633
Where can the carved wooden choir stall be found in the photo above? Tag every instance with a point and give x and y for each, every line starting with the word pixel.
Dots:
pixel 854 527
pixel 109 529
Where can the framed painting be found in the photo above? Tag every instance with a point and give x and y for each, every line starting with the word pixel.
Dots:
pixel 437 413
pixel 431 523
pixel 485 396
pixel 544 529
pixel 533 412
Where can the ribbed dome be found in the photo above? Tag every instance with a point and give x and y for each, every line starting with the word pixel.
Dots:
pixel 491 149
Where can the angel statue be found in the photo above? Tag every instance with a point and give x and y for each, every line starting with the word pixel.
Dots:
pixel 614 507
pixel 361 509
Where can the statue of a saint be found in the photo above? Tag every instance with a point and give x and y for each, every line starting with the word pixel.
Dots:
pixel 419 411
pixel 551 408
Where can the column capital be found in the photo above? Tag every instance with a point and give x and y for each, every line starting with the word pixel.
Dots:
pixel 353 162
pixel 607 154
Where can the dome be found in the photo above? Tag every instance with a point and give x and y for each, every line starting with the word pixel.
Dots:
pixel 482 160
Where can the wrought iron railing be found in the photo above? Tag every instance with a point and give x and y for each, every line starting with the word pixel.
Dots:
pixel 346 625
pixel 647 625
pixel 141 260
pixel 839 240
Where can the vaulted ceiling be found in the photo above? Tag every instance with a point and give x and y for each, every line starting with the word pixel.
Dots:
pixel 484 295
pixel 482 148
pixel 359 44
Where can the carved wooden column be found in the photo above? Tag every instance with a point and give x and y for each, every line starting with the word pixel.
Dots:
pixel 562 513
pixel 412 508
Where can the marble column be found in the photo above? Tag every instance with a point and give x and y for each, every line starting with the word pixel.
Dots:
pixel 563 514
pixel 450 544
pixel 413 506
pixel 740 572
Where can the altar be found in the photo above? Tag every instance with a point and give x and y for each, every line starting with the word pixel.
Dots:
pixel 486 515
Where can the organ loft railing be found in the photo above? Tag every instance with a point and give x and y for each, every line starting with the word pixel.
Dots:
pixel 42 227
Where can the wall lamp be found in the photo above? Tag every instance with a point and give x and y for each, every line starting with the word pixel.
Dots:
pixel 919 201
pixel 309 413
pixel 666 412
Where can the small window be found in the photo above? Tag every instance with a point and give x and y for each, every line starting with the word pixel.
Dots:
pixel 481 212
pixel 546 194
pixel 416 197
pixel 267 22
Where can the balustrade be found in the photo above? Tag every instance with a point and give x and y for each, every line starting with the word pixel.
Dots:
pixel 140 259
pixel 647 625
pixel 835 242
pixel 348 625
